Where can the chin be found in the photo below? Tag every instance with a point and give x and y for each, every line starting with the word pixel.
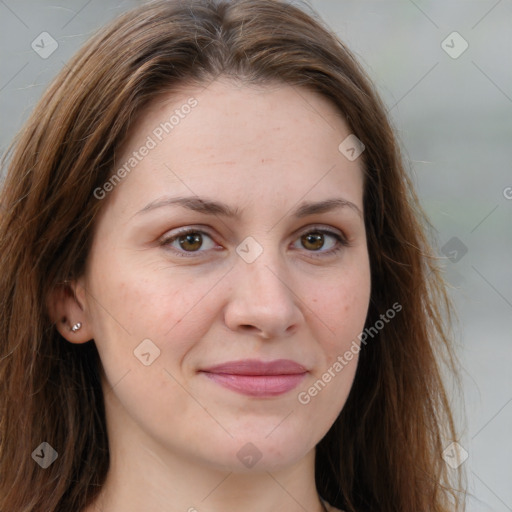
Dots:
pixel 251 453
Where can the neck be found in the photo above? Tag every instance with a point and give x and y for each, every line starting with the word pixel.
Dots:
pixel 143 480
pixel 148 477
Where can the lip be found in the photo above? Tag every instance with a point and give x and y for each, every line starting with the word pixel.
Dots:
pixel 253 377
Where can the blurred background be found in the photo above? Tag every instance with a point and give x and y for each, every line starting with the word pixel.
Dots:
pixel 444 70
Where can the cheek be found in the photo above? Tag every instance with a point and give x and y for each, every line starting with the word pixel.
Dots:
pixel 168 310
pixel 138 302
pixel 340 310
pixel 339 314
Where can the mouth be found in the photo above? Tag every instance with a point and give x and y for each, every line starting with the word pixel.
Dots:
pixel 257 378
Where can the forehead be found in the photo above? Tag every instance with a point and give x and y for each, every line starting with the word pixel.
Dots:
pixel 226 138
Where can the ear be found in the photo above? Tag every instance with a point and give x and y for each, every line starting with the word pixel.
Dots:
pixel 66 307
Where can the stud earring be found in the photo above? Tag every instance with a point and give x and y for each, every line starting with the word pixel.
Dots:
pixel 76 327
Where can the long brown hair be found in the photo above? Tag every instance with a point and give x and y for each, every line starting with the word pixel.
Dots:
pixel 383 453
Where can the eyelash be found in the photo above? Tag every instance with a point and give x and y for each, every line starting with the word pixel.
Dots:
pixel 342 242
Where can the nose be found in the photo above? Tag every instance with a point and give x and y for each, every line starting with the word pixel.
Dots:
pixel 262 300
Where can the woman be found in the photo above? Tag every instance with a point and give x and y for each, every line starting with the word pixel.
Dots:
pixel 217 290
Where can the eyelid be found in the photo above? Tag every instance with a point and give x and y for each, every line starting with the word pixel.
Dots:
pixel 322 228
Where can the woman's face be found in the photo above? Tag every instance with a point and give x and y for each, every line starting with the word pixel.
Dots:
pixel 215 315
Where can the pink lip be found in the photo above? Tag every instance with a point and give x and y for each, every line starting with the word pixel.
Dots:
pixel 258 378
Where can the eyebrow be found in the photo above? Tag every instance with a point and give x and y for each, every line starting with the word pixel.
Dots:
pixel 210 207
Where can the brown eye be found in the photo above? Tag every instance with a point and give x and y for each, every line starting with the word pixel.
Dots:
pixel 190 241
pixel 321 243
pixel 313 241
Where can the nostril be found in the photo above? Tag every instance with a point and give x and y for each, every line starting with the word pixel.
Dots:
pixel 252 328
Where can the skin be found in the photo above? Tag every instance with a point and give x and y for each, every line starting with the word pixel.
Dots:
pixel 264 150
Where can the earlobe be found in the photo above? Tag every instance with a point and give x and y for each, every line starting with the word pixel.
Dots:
pixel 66 308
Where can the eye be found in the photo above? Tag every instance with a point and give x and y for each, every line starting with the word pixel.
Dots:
pixel 188 241
pixel 314 241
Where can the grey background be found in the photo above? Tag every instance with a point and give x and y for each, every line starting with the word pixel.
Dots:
pixel 454 119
